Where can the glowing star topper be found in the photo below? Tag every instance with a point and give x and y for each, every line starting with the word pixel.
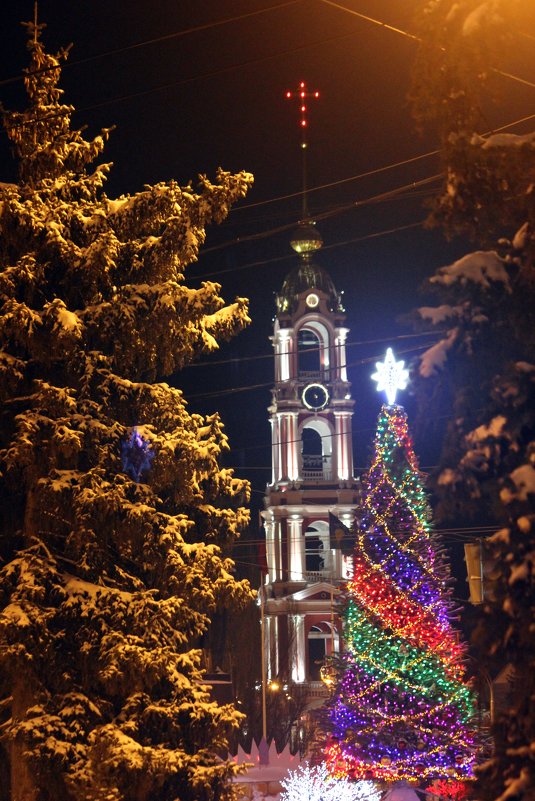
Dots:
pixel 390 376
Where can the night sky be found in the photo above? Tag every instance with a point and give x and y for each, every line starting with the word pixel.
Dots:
pixel 213 97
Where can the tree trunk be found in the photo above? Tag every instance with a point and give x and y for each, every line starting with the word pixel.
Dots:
pixel 22 784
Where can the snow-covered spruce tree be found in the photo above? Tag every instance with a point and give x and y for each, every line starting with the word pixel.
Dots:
pixel 117 517
pixel 481 372
pixel 461 75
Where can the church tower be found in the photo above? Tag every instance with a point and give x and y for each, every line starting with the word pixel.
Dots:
pixel 312 480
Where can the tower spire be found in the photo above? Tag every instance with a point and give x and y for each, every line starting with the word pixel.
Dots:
pixel 301 95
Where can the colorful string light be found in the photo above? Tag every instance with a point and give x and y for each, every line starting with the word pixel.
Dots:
pixel 401 708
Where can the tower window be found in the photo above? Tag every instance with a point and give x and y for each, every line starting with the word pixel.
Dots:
pixel 314 553
pixel 313 344
pixel 316 450
pixel 308 346
pixel 317 553
pixel 319 645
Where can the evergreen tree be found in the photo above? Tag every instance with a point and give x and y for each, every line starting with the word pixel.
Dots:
pixel 481 372
pixel 400 708
pixel 118 519
pixel 461 74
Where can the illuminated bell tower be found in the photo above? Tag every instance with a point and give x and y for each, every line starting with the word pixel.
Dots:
pixel 312 471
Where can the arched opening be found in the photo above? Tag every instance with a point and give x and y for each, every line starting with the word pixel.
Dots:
pixel 320 645
pixel 312 452
pixel 313 341
pixel 308 349
pixel 313 553
pixel 316 450
pixel 318 557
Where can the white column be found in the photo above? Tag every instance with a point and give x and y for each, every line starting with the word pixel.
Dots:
pixel 272 646
pixel 287 463
pixel 348 436
pixel 341 459
pixel 274 455
pixel 325 354
pixel 277 549
pixel 296 555
pixel 270 549
pixel 279 447
pixel 297 648
pixel 268 639
pixel 284 424
pixel 341 353
pixel 273 549
pixel 282 373
pixel 344 449
pixel 293 462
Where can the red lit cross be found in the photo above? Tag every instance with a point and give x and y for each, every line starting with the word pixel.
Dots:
pixel 301 96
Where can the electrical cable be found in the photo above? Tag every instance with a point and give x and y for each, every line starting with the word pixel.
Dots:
pixel 415 38
pixel 470 533
pixel 265 445
pixel 325 215
pixel 340 209
pixel 265 384
pixel 375 171
pixel 184 81
pixel 364 238
pixel 156 40
pixel 351 344
pixel 332 184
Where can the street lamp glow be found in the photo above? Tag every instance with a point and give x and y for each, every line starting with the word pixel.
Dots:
pixel 327 675
pixel 390 376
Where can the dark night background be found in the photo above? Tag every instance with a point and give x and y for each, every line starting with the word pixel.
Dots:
pixel 215 97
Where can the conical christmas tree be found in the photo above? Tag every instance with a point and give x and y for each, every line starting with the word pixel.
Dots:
pixel 401 709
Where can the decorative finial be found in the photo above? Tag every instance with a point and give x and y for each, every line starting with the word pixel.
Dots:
pixel 302 94
pixel 390 376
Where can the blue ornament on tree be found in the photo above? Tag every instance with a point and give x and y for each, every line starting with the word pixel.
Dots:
pixel 136 455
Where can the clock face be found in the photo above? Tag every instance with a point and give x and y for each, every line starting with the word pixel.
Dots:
pixel 315 396
pixel 312 300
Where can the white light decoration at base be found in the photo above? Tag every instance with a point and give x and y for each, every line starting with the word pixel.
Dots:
pixel 315 784
pixel 390 376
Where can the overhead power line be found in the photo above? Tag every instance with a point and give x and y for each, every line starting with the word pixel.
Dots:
pixel 265 384
pixel 353 344
pixel 467 531
pixel 325 215
pixel 374 21
pixel 267 444
pixel 342 181
pixel 287 256
pixel 342 208
pixel 415 38
pixel 375 171
pixel 183 81
pixel 158 39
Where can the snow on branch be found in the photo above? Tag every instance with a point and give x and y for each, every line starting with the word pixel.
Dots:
pixel 434 359
pixel 480 267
